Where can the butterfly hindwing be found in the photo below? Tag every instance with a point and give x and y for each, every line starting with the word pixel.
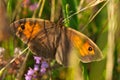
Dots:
pixel 74 42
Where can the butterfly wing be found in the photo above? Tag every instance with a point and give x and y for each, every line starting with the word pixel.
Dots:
pixel 40 35
pixel 74 42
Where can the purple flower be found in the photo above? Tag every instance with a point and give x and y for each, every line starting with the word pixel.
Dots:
pixel 37 59
pixel 36 67
pixel 44 64
pixel 30 71
pixel 28 77
pixel 33 6
pixel 43 70
pixel 40 67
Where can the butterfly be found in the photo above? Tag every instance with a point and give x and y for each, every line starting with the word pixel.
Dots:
pixel 55 41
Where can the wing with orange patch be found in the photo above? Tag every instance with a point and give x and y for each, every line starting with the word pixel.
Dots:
pixel 40 35
pixel 74 42
pixel 28 30
pixel 86 49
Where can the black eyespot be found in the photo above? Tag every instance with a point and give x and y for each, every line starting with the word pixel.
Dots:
pixel 90 48
pixel 22 26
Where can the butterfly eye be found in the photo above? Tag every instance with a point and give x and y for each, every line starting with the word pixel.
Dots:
pixel 22 27
pixel 90 48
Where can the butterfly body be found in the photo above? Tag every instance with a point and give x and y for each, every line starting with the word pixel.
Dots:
pixel 55 41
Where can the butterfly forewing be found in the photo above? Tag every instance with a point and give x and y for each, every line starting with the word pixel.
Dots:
pixel 40 35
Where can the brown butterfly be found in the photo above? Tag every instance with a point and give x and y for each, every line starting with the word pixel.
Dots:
pixel 55 41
